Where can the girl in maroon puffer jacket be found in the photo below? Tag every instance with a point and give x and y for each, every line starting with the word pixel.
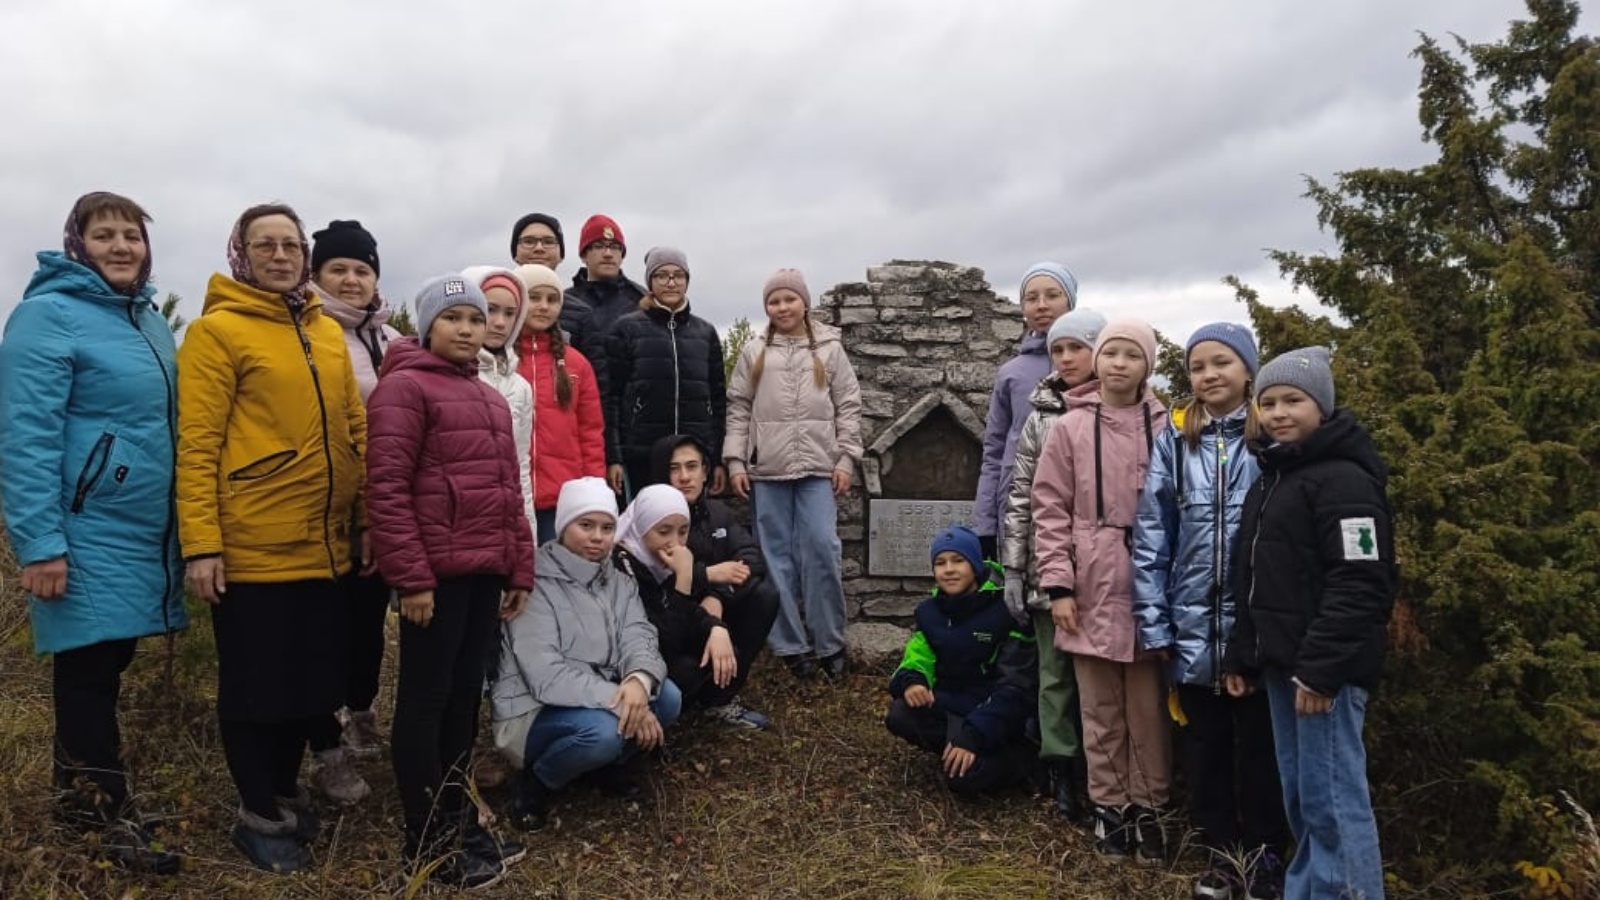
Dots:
pixel 451 535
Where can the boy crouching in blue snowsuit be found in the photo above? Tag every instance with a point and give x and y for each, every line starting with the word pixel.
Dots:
pixel 966 685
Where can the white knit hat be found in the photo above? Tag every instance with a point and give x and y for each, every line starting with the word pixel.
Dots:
pixel 581 496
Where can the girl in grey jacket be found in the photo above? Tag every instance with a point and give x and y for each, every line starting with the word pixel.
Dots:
pixel 582 684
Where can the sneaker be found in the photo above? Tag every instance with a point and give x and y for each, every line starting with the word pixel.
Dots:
pixel 1149 838
pixel 1220 881
pixel 835 666
pixel 736 715
pixel 130 845
pixel 271 845
pixel 1113 833
pixel 335 775
pixel 361 735
pixel 467 871
pixel 800 665
pixel 1264 881
pixel 531 810
pixel 488 845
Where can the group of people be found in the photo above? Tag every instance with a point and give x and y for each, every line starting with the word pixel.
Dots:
pixel 300 466
pixel 1228 566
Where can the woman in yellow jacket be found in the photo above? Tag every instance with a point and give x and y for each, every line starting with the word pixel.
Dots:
pixel 271 434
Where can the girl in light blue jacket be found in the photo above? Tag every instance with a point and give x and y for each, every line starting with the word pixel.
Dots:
pixel 1184 541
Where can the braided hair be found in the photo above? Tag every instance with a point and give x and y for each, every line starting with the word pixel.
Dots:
pixel 819 372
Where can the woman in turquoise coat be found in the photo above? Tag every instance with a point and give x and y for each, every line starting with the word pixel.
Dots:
pixel 87 422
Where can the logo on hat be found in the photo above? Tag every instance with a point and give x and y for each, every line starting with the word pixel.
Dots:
pixel 454 287
pixel 608 234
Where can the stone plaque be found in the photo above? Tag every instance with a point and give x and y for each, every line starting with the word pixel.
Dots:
pixel 899 533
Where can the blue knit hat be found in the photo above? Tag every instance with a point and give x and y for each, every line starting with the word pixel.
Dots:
pixel 962 540
pixel 1056 271
pixel 1235 337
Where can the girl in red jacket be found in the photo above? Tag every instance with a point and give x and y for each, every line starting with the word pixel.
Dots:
pixel 450 534
pixel 569 439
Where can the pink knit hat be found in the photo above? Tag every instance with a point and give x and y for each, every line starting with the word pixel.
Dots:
pixel 787 278
pixel 1130 329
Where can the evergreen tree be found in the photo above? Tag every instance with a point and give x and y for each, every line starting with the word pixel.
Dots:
pixel 400 320
pixel 1470 345
pixel 739 334
pixel 169 311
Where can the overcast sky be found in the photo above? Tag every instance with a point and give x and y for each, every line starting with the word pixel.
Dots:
pixel 1152 148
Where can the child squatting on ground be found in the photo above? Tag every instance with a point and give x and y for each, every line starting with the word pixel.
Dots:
pixel 965 687
pixel 1316 582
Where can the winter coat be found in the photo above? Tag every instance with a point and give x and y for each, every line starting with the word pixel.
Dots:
pixel 271 436
pixel 442 489
pixel 583 631
pixel 1184 542
pixel 1316 573
pixel 567 443
pixel 1016 549
pixel 715 535
pixel 589 309
pixel 666 378
pixel 366 332
pixel 499 371
pixel 1085 499
pixel 786 427
pixel 89 404
pixel 682 625
pixel 968 651
pixel 1008 411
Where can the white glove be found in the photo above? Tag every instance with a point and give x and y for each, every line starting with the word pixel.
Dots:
pixel 1016 595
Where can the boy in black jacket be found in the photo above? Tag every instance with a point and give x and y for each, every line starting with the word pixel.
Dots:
pixel 1315 578
pixel 966 684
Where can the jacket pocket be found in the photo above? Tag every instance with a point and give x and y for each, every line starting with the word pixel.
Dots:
pixel 260 468
pixel 94 469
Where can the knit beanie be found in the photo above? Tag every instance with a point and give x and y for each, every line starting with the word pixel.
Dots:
pixel 600 228
pixel 534 275
pixel 964 541
pixel 787 278
pixel 344 239
pixel 1130 329
pixel 582 496
pixel 1235 337
pixel 1082 325
pixel 441 293
pixel 659 257
pixel 547 221
pixel 1057 271
pixel 1308 369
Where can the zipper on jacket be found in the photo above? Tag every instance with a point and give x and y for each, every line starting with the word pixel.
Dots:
pixel 677 377
pixel 327 449
pixel 172 483
pixel 93 468
pixel 1219 543
pixel 1261 509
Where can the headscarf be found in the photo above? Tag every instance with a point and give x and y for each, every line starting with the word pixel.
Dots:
pixel 648 508
pixel 239 262
pixel 73 244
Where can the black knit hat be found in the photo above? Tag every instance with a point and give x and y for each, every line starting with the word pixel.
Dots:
pixel 547 221
pixel 344 239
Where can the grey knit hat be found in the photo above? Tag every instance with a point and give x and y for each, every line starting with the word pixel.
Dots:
pixel 659 257
pixel 1082 325
pixel 441 293
pixel 1307 369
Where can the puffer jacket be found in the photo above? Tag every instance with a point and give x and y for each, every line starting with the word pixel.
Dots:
pixel 1085 501
pixel 88 395
pixel 786 427
pixel 1183 545
pixel 366 332
pixel 583 631
pixel 589 310
pixel 271 436
pixel 568 442
pixel 1016 549
pixel 500 370
pixel 666 378
pixel 1316 573
pixel 442 476
pixel 1008 410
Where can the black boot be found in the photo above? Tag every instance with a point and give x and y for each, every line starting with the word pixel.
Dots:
pixel 445 858
pixel 1070 790
pixel 308 824
pixel 531 810
pixel 270 844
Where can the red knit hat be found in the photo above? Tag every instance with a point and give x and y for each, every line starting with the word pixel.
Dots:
pixel 600 228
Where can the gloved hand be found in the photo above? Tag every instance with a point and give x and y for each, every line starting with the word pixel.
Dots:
pixel 1016 595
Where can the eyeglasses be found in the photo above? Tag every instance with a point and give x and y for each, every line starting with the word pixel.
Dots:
pixel 271 248
pixel 603 246
pixel 671 277
pixel 532 241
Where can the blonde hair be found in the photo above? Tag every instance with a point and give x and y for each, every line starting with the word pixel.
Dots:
pixel 1194 418
pixel 820 375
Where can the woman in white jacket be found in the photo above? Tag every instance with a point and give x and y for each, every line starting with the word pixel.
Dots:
pixel 794 438
pixel 497 361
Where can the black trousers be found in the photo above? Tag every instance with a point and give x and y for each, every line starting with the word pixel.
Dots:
pixel 264 758
pixel 748 615
pixel 1236 800
pixel 930 728
pixel 87 767
pixel 367 610
pixel 436 705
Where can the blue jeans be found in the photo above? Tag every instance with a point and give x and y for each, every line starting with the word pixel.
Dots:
pixel 1323 766
pixel 797 524
pixel 565 742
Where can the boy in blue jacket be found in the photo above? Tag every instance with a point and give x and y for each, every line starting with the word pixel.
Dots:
pixel 965 686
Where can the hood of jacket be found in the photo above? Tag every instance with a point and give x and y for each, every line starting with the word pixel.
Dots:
pixel 1340 437
pixel 1032 342
pixel 556 563
pixel 59 275
pixel 821 332
pixel 407 353
pixel 1088 396
pixel 503 361
pixel 374 315
pixel 224 294
pixel 1049 395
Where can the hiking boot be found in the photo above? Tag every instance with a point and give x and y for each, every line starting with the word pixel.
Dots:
pixel 269 844
pixel 130 845
pixel 484 843
pixel 617 780
pixel 1220 880
pixel 835 666
pixel 361 735
pixel 800 665
pixel 1149 838
pixel 336 777
pixel 1264 880
pixel 1067 790
pixel 531 810
pixel 299 807
pixel 1113 832
pixel 735 715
